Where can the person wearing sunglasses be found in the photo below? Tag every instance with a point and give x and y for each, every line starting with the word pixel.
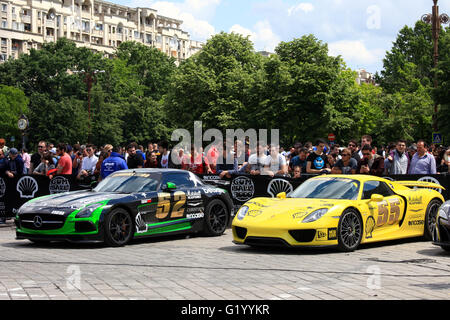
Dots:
pixel 370 163
pixel 346 165
pixel 353 147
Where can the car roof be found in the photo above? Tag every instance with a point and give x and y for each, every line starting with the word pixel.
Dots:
pixel 154 170
pixel 359 177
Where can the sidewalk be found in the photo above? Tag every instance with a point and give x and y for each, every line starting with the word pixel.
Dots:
pixel 8 225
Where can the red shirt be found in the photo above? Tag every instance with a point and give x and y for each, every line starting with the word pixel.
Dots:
pixel 66 163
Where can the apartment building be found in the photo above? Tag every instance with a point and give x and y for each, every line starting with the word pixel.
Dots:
pixel 99 25
pixel 364 77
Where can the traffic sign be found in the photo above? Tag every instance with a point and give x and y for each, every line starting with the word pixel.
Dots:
pixel 331 137
pixel 437 138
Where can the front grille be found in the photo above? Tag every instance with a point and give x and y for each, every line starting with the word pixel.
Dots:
pixel 263 241
pixel 47 221
pixel 240 232
pixel 303 235
pixel 444 233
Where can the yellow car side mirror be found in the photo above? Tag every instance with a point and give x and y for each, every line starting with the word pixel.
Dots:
pixel 377 198
pixel 281 195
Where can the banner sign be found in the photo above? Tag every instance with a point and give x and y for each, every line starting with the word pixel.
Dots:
pixel 16 191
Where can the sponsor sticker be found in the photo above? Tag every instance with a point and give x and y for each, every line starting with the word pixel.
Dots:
pixel 332 234
pixel 242 189
pixel 321 234
pixel 198 215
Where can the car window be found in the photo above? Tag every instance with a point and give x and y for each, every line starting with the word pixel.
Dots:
pixel 181 179
pixel 376 187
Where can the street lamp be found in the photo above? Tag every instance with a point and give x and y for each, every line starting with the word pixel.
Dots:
pixel 435 20
pixel 89 79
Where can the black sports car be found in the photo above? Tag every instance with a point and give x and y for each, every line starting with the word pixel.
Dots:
pixel 128 204
pixel 441 236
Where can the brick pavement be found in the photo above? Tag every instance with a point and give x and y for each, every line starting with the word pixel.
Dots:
pixel 179 268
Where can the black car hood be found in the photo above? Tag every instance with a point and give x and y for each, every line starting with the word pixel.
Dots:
pixel 69 202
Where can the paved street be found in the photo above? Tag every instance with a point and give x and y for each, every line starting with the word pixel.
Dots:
pixel 180 268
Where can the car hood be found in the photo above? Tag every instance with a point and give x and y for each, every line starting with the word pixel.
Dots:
pixel 263 209
pixel 68 202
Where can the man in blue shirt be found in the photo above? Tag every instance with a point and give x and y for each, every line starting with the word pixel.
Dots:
pixel 115 162
pixel 422 162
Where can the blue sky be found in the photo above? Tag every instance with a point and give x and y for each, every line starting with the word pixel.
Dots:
pixel 361 31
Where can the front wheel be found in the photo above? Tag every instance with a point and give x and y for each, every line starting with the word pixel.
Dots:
pixel 118 228
pixel 350 230
pixel 430 218
pixel 216 218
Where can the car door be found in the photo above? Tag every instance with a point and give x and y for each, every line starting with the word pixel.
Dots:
pixel 385 215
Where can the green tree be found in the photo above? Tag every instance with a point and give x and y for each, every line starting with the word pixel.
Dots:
pixel 13 103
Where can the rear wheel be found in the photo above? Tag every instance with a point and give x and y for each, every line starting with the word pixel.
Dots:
pixel 350 230
pixel 118 228
pixel 430 218
pixel 216 218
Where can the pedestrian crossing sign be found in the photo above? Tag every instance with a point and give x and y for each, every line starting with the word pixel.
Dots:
pixel 437 138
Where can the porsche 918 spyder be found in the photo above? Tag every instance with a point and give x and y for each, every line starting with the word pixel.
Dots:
pixel 128 204
pixel 340 210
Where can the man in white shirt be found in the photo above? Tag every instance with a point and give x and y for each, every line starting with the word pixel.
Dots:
pixel 257 161
pixel 275 163
pixel 88 163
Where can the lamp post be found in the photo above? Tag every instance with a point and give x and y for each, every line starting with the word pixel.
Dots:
pixel 89 79
pixel 435 20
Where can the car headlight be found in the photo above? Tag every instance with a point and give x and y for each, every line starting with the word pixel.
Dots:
pixel 444 212
pixel 242 212
pixel 87 211
pixel 315 215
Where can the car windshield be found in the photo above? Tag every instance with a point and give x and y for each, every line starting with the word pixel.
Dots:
pixel 327 188
pixel 129 182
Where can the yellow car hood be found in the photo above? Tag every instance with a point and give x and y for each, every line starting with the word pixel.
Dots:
pixel 286 210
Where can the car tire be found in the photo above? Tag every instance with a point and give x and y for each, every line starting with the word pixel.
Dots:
pixel 350 230
pixel 216 218
pixel 119 228
pixel 430 218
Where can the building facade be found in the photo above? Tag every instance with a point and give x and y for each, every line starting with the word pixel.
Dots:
pixel 98 25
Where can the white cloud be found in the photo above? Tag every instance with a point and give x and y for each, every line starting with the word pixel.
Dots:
pixel 356 52
pixel 194 14
pixel 261 35
pixel 305 7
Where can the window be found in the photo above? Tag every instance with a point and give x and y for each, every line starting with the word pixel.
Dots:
pixel 136 34
pixel 4 24
pixel 4 7
pixel 181 179
pixel 376 187
pixel 98 27
pixel 2 57
pixel 4 43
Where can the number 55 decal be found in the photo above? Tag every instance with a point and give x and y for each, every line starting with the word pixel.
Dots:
pixel 388 216
pixel 164 205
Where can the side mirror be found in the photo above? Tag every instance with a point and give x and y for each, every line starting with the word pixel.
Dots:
pixel 281 195
pixel 170 186
pixel 376 198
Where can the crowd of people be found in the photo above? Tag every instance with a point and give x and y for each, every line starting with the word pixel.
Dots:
pixel 88 163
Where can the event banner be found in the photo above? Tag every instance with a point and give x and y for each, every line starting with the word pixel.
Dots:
pixel 16 191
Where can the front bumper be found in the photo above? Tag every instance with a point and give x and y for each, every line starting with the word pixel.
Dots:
pixel 70 229
pixel 441 236
pixel 317 234
pixel 60 237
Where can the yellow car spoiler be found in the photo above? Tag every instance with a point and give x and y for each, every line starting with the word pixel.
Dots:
pixel 420 184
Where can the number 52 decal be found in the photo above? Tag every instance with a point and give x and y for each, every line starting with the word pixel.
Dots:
pixel 164 205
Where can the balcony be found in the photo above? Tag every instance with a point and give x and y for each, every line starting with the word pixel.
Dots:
pixel 50 23
pixel 4 14
pixel 26 19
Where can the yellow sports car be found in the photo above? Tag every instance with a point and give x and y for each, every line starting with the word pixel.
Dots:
pixel 340 210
